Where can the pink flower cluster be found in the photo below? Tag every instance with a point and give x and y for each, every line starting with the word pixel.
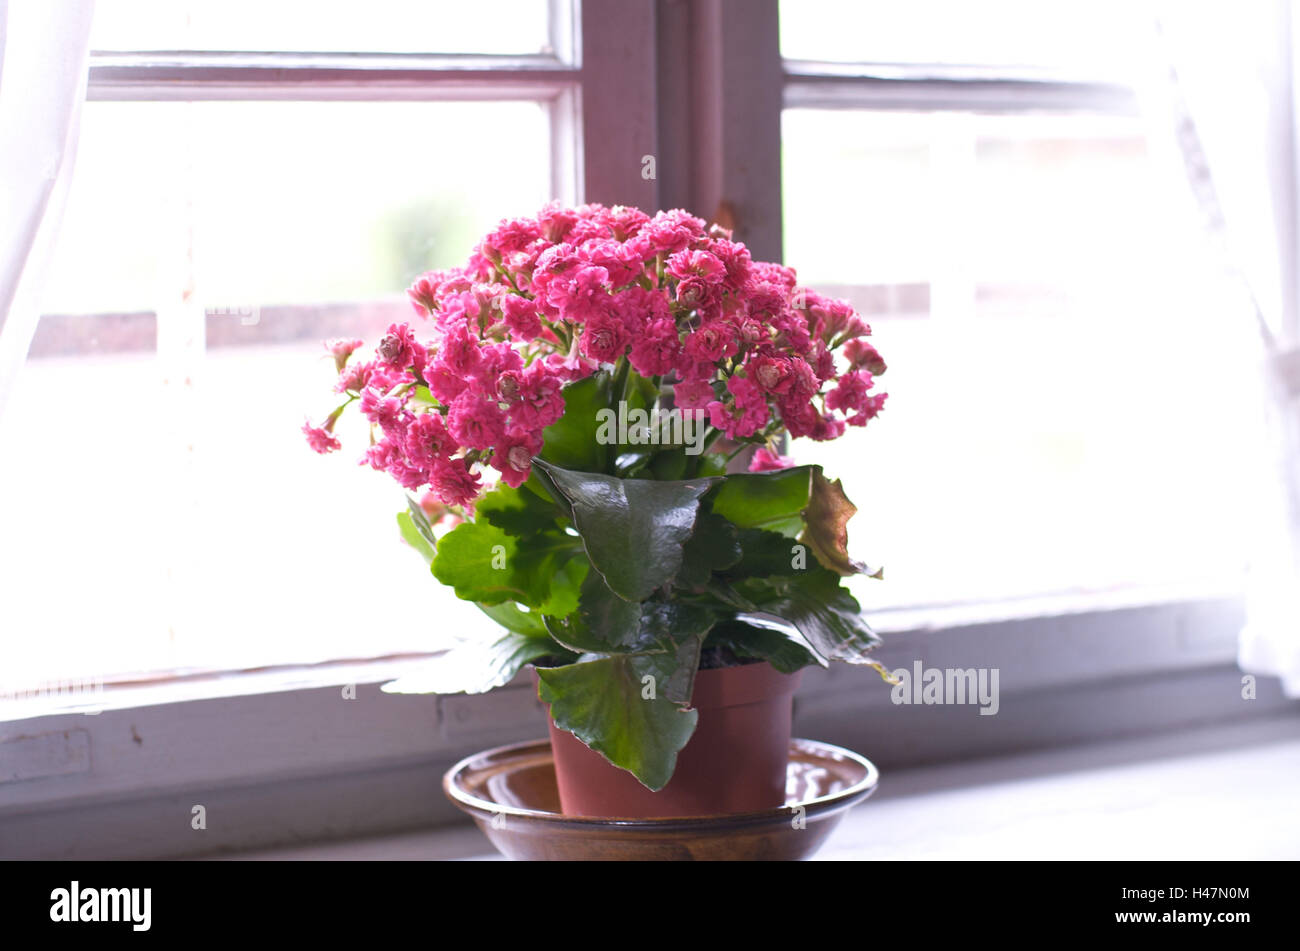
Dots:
pixel 545 301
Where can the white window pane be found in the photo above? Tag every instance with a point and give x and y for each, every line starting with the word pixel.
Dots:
pixel 285 202
pixel 1094 35
pixel 192 527
pixel 1063 387
pixel 377 26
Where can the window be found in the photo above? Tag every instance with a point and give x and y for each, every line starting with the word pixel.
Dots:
pixel 989 197
pixel 253 178
pixel 277 182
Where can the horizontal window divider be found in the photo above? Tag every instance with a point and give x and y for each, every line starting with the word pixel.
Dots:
pixel 203 61
pixel 869 90
pixel 161 85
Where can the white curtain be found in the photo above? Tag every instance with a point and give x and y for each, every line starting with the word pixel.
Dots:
pixel 1232 98
pixel 43 59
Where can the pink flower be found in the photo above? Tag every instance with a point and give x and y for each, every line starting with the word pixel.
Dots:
pixel 459 352
pixel 772 374
pixel 521 317
pixel 850 396
pixel 444 383
pixel 320 440
pixel 670 231
pixel 581 296
pixel 621 263
pixel 399 349
pixel 556 221
pixel 353 378
pixel 765 460
pixel 863 356
pixel 475 422
pixel 453 483
pixel 540 401
pixel 696 264
pixel 513 458
pixel 427 439
pixel 424 292
pixel 799 416
pixel 747 414
pixel 496 360
pixel 383 410
pixel 712 341
pixel 341 349
pixel 547 300
pixel 871 408
pixel 604 338
pixel 735 261
pixel 638 307
pixel 692 394
pixel 656 349
pixel 827 428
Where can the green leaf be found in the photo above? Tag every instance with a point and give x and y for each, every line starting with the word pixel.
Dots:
pixel 666 622
pixel 475 667
pixel 772 500
pixel 714 545
pixel 606 704
pixel 571 441
pixel 669 464
pixel 820 607
pixel 633 529
pixel 567 581
pixel 710 464
pixel 519 512
pixel 602 622
pixel 412 535
pixel 420 394
pixel 638 393
pixel 484 563
pixel 513 618
pixel 776 647
pixel 765 554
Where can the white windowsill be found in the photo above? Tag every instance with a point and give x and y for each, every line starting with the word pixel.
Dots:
pixel 895 621
pixel 287 756
pixel 1222 793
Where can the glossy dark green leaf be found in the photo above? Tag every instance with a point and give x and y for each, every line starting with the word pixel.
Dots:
pixel 714 545
pixel 633 529
pixel 682 627
pixel 617 706
pixel 776 647
pixel 669 464
pixel 771 500
pixel 825 613
pixel 765 553
pixel 571 441
pixel 602 622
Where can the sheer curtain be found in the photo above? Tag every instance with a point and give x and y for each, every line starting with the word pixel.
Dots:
pixel 1232 90
pixel 43 58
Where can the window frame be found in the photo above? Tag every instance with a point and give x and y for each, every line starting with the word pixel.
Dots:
pixel 281 755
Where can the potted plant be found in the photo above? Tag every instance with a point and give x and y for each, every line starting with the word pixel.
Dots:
pixel 567 416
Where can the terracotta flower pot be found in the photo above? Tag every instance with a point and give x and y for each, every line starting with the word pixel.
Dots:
pixel 734 762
